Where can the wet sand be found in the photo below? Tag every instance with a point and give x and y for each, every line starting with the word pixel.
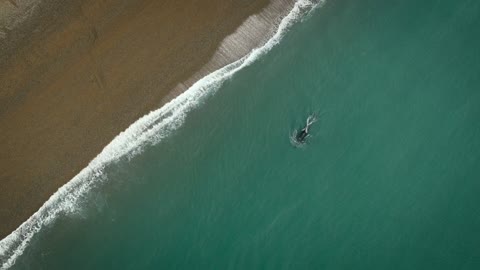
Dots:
pixel 76 73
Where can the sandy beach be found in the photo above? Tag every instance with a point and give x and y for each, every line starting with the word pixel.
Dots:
pixel 75 74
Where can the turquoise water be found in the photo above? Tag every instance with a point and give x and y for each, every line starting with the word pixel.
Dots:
pixel 389 180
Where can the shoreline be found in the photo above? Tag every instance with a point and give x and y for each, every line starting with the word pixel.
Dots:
pixel 264 25
pixel 48 133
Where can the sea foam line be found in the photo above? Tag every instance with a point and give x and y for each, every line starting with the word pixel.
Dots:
pixel 148 130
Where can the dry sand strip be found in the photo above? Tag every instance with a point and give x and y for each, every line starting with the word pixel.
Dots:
pixel 74 74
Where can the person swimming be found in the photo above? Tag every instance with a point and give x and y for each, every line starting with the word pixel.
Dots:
pixel 303 134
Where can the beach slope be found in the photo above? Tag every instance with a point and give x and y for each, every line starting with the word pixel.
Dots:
pixel 74 74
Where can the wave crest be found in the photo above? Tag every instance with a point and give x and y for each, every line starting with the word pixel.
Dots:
pixel 148 130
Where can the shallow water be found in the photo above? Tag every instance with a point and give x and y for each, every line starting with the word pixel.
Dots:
pixel 389 180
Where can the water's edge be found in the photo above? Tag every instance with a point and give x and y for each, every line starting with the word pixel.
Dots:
pixel 252 39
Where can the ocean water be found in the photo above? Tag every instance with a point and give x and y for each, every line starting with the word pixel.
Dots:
pixel 390 178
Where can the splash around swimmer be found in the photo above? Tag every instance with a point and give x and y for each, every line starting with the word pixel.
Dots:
pixel 300 136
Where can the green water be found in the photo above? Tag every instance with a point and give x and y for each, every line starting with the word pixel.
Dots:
pixel 390 179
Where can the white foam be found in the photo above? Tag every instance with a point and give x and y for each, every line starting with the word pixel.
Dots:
pixel 148 130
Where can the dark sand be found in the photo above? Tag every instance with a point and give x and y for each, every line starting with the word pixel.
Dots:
pixel 79 72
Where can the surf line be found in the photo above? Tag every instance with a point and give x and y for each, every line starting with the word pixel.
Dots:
pixel 148 130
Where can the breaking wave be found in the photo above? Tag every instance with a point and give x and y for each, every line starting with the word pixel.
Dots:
pixel 148 130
